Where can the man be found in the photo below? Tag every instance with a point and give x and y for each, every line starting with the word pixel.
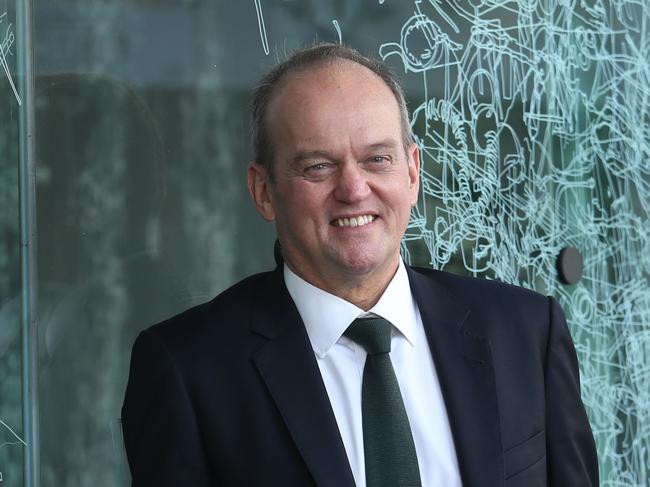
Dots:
pixel 279 380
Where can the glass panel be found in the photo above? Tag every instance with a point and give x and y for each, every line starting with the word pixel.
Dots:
pixel 11 427
pixel 534 124
pixel 533 120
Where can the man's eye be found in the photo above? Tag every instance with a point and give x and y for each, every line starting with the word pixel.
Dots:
pixel 379 160
pixel 317 167
pixel 318 171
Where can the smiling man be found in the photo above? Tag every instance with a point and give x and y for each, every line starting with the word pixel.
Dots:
pixel 341 180
pixel 343 366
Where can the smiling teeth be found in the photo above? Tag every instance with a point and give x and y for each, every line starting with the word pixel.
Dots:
pixel 354 222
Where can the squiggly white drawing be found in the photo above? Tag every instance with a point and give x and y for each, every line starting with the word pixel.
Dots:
pixel 5 50
pixel 338 30
pixel 534 128
pixel 262 26
pixel 6 443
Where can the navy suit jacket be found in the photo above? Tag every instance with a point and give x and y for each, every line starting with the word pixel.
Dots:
pixel 229 393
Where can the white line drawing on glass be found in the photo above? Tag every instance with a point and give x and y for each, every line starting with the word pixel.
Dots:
pixel 262 26
pixel 5 49
pixel 534 128
pixel 7 443
pixel 338 30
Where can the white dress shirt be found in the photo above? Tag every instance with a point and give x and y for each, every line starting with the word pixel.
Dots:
pixel 341 363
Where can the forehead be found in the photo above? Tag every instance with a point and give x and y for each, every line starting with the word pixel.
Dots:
pixel 338 76
pixel 338 69
pixel 318 101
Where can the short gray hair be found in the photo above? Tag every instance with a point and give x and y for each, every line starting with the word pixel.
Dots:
pixel 303 59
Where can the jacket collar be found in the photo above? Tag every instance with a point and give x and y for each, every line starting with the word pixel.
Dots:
pixel 287 365
pixel 463 361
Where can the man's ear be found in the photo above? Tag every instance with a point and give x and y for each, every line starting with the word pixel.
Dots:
pixel 259 189
pixel 413 154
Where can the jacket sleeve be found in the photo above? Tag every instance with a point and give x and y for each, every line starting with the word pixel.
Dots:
pixel 161 435
pixel 571 450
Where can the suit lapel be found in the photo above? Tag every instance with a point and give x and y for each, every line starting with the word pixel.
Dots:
pixel 463 362
pixel 287 365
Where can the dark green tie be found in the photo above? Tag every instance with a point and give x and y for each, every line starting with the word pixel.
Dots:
pixel 388 446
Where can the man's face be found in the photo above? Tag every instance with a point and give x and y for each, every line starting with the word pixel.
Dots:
pixel 343 183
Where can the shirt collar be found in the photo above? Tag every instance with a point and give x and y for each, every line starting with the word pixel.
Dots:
pixel 327 316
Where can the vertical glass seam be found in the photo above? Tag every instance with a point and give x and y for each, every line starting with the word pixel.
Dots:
pixel 25 64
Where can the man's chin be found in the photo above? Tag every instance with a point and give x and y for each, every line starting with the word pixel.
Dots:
pixel 364 265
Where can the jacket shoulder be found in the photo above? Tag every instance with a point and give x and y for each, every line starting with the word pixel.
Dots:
pixel 505 314
pixel 479 293
pixel 219 322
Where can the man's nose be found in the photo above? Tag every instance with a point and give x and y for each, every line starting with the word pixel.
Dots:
pixel 352 183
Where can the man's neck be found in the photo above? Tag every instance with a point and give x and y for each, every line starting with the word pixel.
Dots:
pixel 364 296
pixel 364 291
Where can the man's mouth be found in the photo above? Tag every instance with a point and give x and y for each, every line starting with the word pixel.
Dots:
pixel 355 221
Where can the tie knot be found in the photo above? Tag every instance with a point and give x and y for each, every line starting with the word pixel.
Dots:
pixel 373 334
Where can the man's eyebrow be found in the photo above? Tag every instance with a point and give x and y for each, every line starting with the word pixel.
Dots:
pixel 383 144
pixel 309 154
